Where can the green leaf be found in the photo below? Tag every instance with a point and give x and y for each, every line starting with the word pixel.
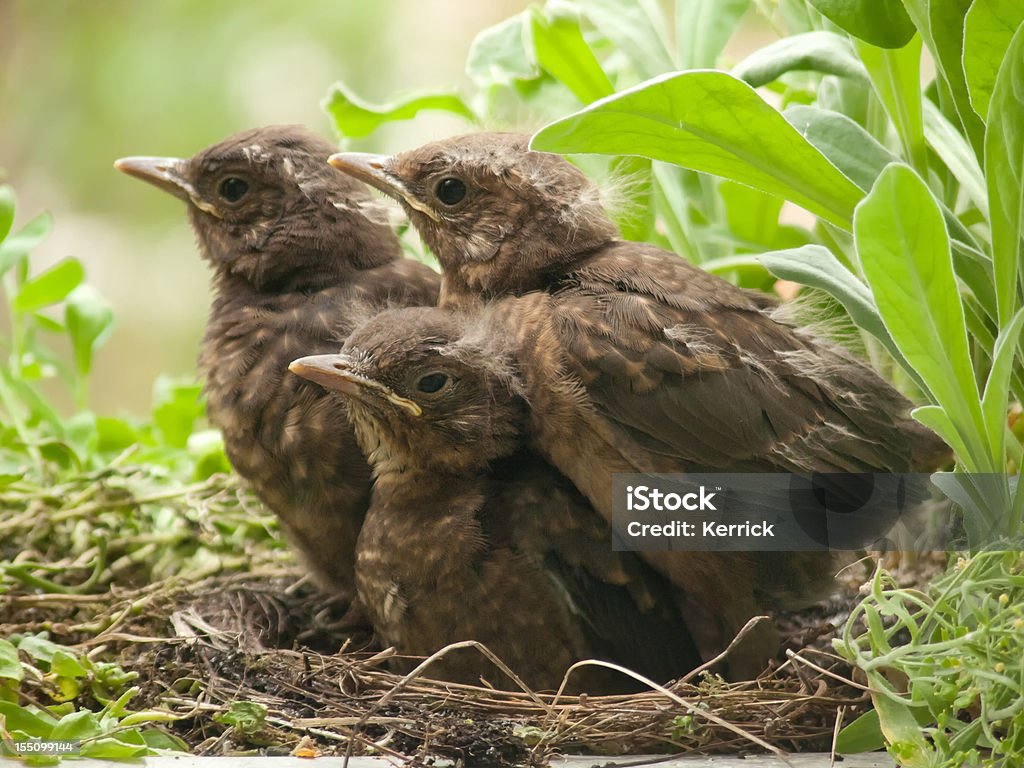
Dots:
pixel 114 434
pixel 561 50
pixel 123 745
pixel 1004 171
pixel 89 319
pixel 7 205
pixel 499 54
pixel 988 29
pixel 752 216
pixel 815 51
pixel 896 78
pixel 157 739
pixel 942 26
pixel 17 247
pixel 634 26
pixel 246 716
pixel 78 725
pixel 10 667
pixel 67 665
pixel 905 739
pixel 176 407
pixel 39 648
pixel 997 389
pixel 862 735
pixel 880 22
pixel 909 267
pixel 703 27
pixel 37 725
pixel 355 118
pixel 952 148
pixel 847 145
pixel 709 121
pixel 50 286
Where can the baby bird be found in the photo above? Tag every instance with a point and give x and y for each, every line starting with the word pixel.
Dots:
pixel 297 263
pixel 472 537
pixel 635 360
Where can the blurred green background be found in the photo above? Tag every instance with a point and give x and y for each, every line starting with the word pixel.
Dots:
pixel 82 84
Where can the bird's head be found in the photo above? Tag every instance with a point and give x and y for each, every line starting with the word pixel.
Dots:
pixel 500 217
pixel 267 208
pixel 420 393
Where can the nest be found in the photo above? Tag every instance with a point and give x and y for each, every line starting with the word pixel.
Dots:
pixel 200 648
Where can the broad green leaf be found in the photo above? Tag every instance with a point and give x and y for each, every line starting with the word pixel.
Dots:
pixel 906 741
pixel 996 399
pixel 17 247
pixel 989 27
pixel 499 54
pixel 1004 171
pixel 752 216
pixel 942 26
pixel 157 739
pixel 39 648
pixel 35 724
pixel 847 145
pixel 952 148
pixel 703 27
pixel 865 733
pixel 355 118
pixel 634 26
pixel 78 725
pixel 561 50
pixel 89 319
pixel 6 210
pixel 176 406
pixel 896 77
pixel 114 434
pixel 815 51
pixel 124 745
pixel 880 22
pixel 50 286
pixel 67 665
pixel 10 667
pixel 909 267
pixel 709 121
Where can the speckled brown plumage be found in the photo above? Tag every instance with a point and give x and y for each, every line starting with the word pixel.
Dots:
pixel 635 360
pixel 297 261
pixel 472 537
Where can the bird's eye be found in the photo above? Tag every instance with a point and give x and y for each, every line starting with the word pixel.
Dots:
pixel 233 189
pixel 432 383
pixel 450 191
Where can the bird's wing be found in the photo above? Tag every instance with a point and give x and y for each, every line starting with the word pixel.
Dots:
pixel 693 372
pixel 627 611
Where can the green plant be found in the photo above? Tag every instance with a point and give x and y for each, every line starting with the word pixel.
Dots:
pixel 59 674
pixel 959 644
pixel 915 227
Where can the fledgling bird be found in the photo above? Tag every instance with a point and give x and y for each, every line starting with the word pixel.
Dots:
pixel 472 537
pixel 296 264
pixel 635 360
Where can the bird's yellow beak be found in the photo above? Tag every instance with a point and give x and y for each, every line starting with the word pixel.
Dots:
pixel 375 171
pixel 166 173
pixel 337 373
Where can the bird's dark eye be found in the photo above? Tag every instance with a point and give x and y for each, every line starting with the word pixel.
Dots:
pixel 432 383
pixel 233 189
pixel 451 190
